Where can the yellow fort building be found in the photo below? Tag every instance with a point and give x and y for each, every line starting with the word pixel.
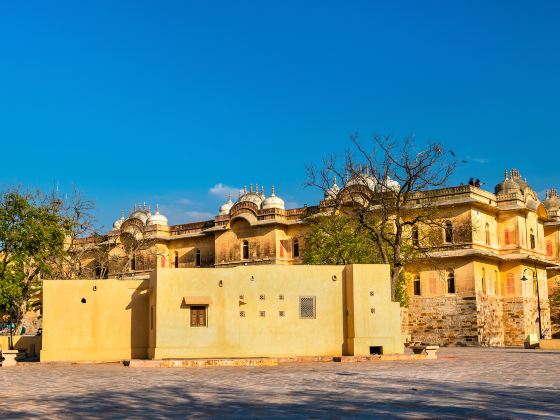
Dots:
pixel 470 292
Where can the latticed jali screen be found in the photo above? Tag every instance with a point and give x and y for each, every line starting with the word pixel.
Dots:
pixel 307 307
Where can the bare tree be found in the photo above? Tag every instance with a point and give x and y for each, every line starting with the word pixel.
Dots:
pixel 385 187
pixel 136 249
pixel 78 260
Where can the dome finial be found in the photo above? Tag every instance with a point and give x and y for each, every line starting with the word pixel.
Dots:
pixel 506 174
pixel 334 181
pixel 262 190
pixel 273 194
pixel 122 215
pixel 229 196
pixel 245 189
pixel 157 208
pixel 257 188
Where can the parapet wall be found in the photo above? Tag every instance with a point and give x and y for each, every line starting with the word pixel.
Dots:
pixel 246 311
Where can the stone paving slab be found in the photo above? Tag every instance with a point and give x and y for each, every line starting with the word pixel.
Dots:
pixel 462 382
pixel 184 363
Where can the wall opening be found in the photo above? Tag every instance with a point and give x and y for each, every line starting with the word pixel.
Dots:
pixel 375 350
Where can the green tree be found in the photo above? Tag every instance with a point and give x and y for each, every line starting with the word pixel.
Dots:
pixel 32 234
pixel 337 239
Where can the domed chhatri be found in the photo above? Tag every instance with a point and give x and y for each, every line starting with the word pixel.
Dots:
pixel 362 177
pixel 273 202
pixel 552 201
pixel 251 196
pixel 508 185
pixel 140 213
pixel 157 218
pixel 118 223
pixel 226 207
pixel 333 191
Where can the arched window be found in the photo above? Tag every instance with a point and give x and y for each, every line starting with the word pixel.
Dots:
pixel 417 289
pixel 483 280
pixel 451 281
pixel 176 262
pixel 496 282
pixel 487 232
pixel 296 248
pixel 415 236
pixel 532 239
pixel 197 258
pixel 448 232
pixel 133 262
pixel 245 250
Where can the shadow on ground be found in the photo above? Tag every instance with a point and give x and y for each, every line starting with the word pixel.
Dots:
pixel 343 396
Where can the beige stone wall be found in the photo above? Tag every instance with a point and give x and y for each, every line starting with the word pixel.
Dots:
pixel 31 344
pixel 433 280
pixel 94 320
pixel 520 319
pixel 186 251
pixel 445 320
pixel 490 321
pixel 254 311
pixel 262 243
pixel 553 289
pixel 250 310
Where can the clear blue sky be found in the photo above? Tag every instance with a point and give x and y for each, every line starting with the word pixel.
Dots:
pixel 162 100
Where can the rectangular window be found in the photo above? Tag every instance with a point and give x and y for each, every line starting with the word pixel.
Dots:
pixel 510 284
pixel 451 283
pixel 417 290
pixel 307 309
pixel 198 316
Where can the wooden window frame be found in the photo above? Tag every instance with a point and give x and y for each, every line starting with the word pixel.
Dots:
pixel 196 320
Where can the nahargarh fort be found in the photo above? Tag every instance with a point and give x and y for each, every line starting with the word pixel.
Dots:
pixel 495 261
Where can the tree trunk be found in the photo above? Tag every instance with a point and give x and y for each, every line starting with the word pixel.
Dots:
pixel 396 272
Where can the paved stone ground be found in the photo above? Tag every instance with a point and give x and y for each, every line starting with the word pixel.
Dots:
pixel 463 382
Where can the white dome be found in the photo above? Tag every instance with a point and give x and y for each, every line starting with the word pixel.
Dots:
pixel 118 223
pixel 140 213
pixel 333 191
pixel 273 202
pixel 157 218
pixel 366 180
pixel 391 184
pixel 226 207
